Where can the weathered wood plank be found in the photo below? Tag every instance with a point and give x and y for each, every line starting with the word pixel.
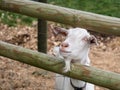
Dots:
pixel 76 18
pixel 89 74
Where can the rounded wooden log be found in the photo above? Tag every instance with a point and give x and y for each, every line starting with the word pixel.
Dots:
pixel 76 18
pixel 86 73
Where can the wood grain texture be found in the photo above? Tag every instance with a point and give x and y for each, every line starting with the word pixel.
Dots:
pixel 76 18
pixel 86 73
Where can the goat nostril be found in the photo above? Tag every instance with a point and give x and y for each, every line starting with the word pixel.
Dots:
pixel 64 44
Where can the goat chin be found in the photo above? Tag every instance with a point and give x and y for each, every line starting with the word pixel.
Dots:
pixel 74 48
pixel 63 82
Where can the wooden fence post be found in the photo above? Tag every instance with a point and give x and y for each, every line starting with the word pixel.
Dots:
pixel 42 33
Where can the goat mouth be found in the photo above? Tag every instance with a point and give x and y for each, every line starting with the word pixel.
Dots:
pixel 64 51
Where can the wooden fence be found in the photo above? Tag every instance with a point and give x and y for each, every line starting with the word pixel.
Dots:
pixel 94 22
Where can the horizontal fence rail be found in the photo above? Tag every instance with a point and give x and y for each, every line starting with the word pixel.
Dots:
pixel 76 18
pixel 86 73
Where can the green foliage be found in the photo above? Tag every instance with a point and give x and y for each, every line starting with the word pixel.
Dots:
pixel 12 19
pixel 106 7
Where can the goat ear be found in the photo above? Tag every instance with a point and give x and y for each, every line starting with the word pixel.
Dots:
pixel 58 30
pixel 92 40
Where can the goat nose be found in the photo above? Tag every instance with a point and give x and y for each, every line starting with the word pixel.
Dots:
pixel 64 44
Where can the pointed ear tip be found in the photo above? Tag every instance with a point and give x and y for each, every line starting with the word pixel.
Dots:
pixel 52 26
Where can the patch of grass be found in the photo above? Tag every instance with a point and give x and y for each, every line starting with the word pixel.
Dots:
pixel 105 7
pixel 12 19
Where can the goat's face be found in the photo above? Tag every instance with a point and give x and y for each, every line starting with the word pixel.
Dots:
pixel 77 42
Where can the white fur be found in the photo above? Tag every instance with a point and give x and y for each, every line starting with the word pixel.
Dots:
pixel 78 51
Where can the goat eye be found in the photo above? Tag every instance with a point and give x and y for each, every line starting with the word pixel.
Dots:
pixel 85 38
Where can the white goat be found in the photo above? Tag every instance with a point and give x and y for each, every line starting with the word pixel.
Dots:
pixel 74 48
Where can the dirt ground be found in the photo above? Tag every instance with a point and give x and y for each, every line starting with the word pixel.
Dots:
pixel 18 76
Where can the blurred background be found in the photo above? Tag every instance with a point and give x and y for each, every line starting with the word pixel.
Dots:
pixel 22 30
